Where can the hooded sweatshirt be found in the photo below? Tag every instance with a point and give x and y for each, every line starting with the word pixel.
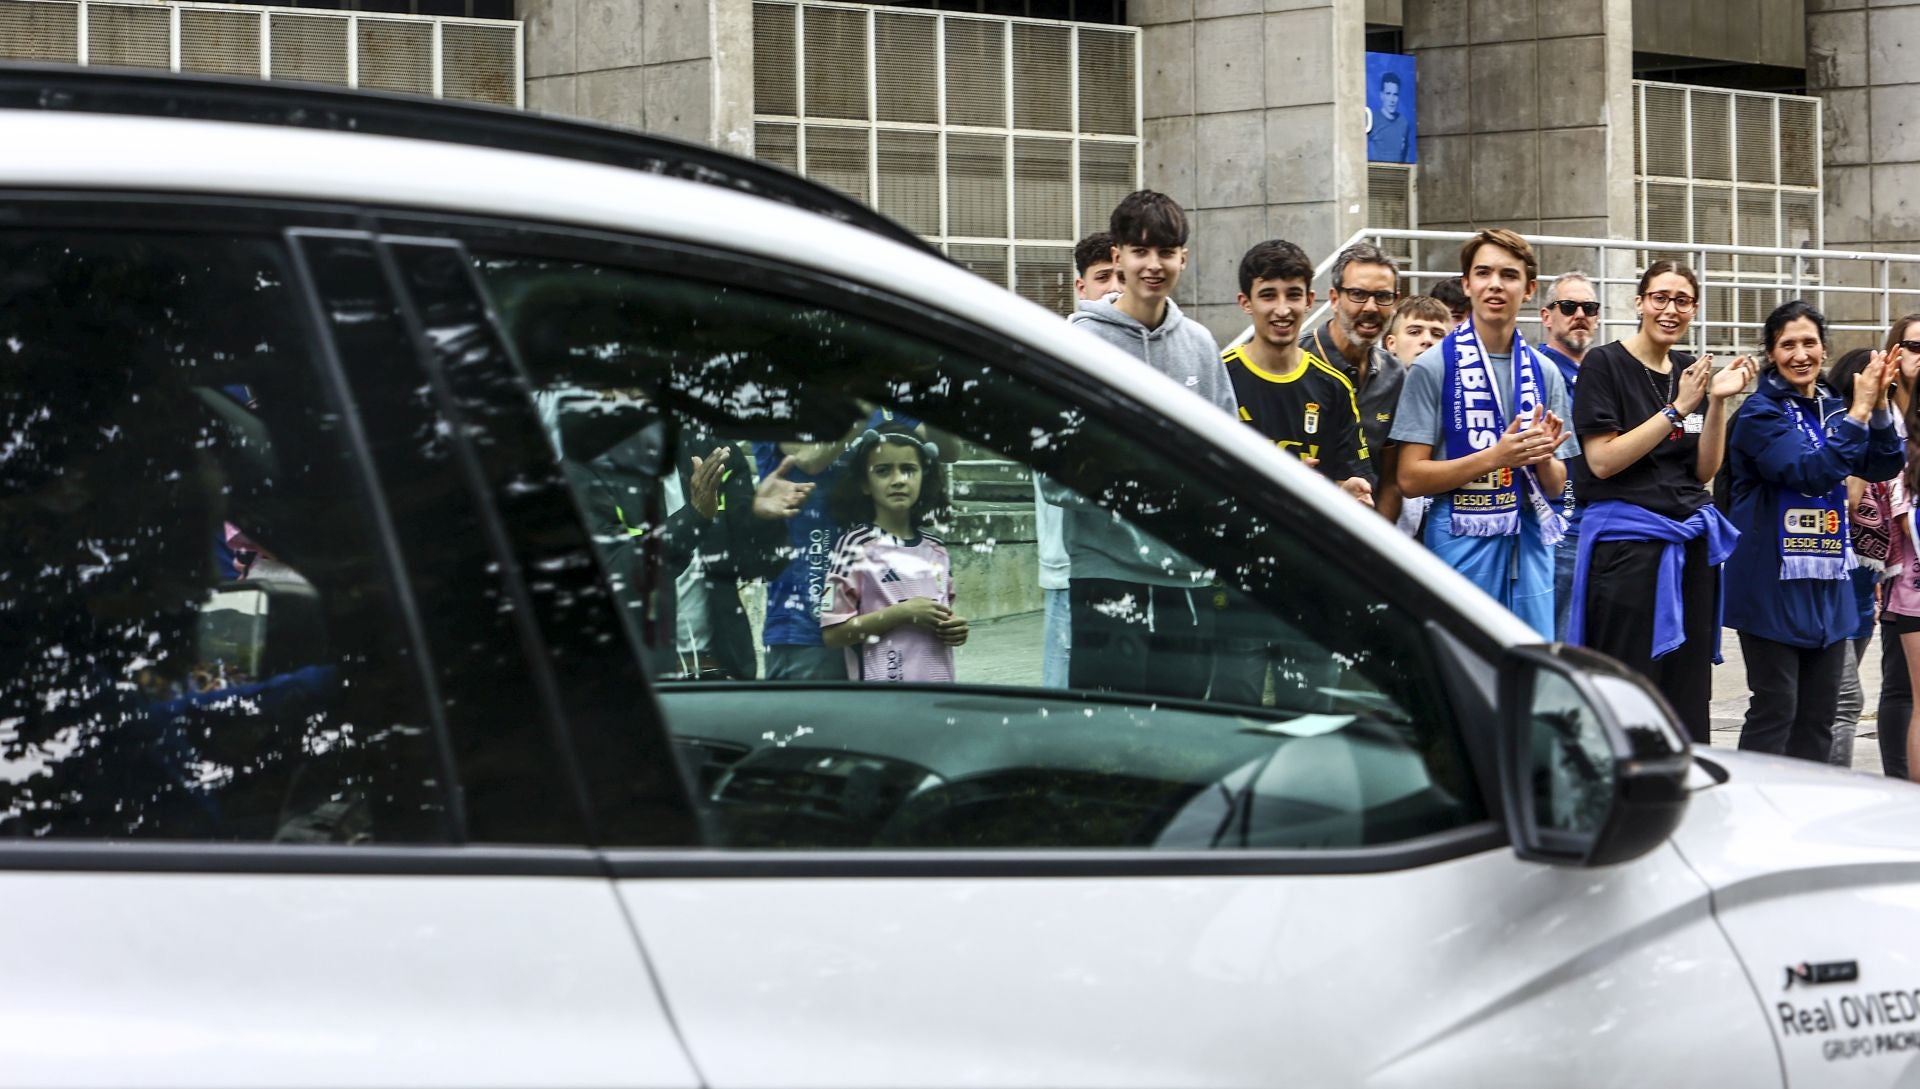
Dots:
pixel 1100 544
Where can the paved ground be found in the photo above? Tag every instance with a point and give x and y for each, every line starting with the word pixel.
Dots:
pixel 1007 651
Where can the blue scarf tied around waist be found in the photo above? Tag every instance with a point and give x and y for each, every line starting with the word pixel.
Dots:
pixel 1815 538
pixel 1619 520
pixel 1473 420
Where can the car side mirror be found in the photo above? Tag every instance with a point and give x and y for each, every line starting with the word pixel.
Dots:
pixel 1593 763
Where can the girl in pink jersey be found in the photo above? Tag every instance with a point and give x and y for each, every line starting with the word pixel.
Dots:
pixel 889 599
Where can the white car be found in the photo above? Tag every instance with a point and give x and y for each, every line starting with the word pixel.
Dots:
pixel 379 704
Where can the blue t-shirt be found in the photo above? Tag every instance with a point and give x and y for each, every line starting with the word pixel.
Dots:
pixel 794 596
pixel 1569 373
pixel 1417 420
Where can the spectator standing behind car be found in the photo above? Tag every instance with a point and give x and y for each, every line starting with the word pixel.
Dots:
pixel 1140 620
pixel 1652 428
pixel 1569 316
pixel 1096 276
pixel 1366 284
pixel 1870 546
pixel 1895 707
pixel 1453 295
pixel 1480 427
pixel 1793 448
pixel 889 598
pixel 1418 324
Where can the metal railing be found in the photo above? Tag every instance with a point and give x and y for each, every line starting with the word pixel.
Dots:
pixel 1861 292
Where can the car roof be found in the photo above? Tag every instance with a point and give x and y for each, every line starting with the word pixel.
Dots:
pixel 317 106
pixel 174 150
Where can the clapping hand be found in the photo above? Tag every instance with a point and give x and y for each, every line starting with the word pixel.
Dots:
pixel 777 497
pixel 703 494
pixel 1733 379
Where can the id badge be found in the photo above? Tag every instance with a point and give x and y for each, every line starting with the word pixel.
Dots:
pixel 1694 424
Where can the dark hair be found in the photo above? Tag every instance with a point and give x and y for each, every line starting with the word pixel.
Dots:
pixel 1786 314
pixel 1840 376
pixel 1899 326
pixel 1662 268
pixel 1452 295
pixel 1147 218
pixel 1095 249
pixel 1274 259
pixel 1390 77
pixel 1504 239
pixel 847 505
pixel 1362 253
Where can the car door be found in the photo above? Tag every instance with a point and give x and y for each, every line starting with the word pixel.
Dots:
pixel 986 882
pixel 267 815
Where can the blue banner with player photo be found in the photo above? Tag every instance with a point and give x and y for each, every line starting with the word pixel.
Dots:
pixel 1391 128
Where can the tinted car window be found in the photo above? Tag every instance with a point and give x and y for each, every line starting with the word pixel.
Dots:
pixel 1285 703
pixel 199 642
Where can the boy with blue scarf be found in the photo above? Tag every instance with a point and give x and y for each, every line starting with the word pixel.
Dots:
pixel 1481 429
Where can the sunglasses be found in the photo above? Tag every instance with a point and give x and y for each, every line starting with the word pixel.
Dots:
pixel 1910 345
pixel 1569 308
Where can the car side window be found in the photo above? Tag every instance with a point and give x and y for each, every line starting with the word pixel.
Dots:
pixel 200 642
pixel 820 525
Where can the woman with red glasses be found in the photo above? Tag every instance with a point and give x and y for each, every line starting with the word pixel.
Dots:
pixel 1652 426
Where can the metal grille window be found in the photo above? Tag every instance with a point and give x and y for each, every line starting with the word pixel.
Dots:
pixel 475 59
pixel 1002 140
pixel 1391 205
pixel 1731 168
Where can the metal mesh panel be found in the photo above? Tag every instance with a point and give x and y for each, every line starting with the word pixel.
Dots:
pixel 1713 224
pixel 1045 275
pixel 1107 82
pixel 910 179
pixel 976 72
pixel 903 68
pixel 478 62
pixel 1390 203
pixel 1712 135
pixel 1754 136
pixel 39 31
pixel 1800 153
pixel 986 262
pixel 774 64
pixel 835 41
pixel 777 144
pixel 396 55
pixel 838 157
pixel 1106 174
pixel 1758 225
pixel 309 48
pixel 1666 212
pixel 1040 58
pixel 226 42
pixel 1043 188
pixel 1664 117
pixel 129 37
pixel 976 185
pixel 1800 220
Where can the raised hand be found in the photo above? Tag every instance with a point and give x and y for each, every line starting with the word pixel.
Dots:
pixel 776 497
pixel 1526 441
pixel 703 494
pixel 1870 387
pixel 1733 379
pixel 1693 385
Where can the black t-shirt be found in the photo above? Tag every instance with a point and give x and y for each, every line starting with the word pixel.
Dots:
pixel 1311 412
pixel 1617 394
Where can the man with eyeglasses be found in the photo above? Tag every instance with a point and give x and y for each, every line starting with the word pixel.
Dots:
pixel 1366 284
pixel 1569 317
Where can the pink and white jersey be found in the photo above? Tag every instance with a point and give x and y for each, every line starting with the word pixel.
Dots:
pixel 873 569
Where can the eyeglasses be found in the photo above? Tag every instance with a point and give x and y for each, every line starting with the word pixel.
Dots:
pixel 1569 307
pixel 1682 304
pixel 1360 295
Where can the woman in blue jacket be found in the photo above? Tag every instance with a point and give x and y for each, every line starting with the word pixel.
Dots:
pixel 1794 445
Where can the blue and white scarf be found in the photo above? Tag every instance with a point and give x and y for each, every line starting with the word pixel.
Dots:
pixel 1815 539
pixel 1473 420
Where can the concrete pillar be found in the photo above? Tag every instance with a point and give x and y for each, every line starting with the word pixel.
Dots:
pixel 1863 62
pixel 1526 118
pixel 676 67
pixel 1255 116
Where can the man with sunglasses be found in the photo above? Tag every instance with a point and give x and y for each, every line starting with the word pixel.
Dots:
pixel 1366 285
pixel 1569 318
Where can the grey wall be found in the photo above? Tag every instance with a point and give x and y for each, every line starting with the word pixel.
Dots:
pixel 1255 119
pixel 679 67
pixel 1744 31
pixel 1863 61
pixel 1525 114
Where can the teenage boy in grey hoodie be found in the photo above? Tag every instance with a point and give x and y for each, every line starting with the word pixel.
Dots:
pixel 1142 613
